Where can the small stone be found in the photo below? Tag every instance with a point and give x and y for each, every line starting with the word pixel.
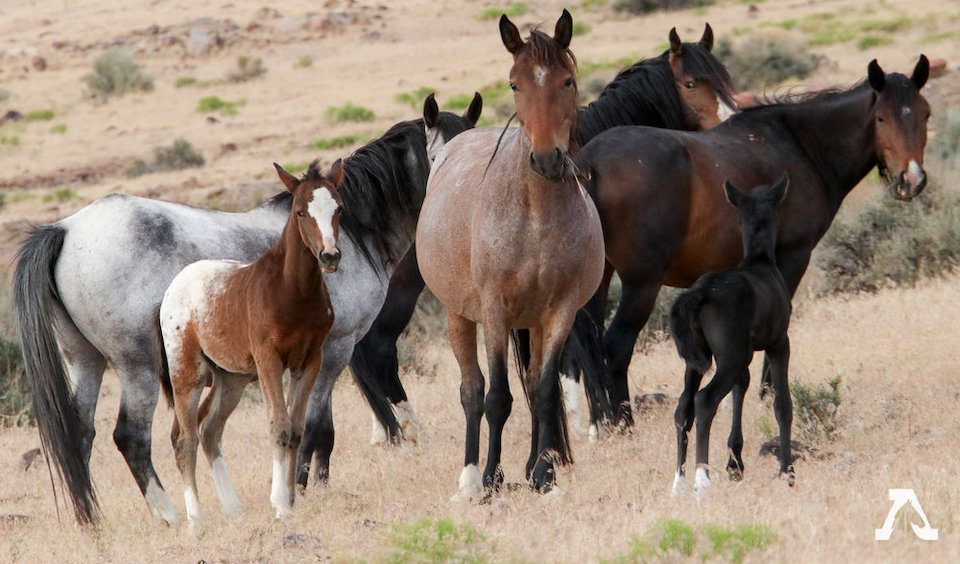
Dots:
pixel 39 63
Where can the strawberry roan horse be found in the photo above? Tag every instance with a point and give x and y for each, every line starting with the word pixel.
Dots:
pixel 508 239
pixel 226 321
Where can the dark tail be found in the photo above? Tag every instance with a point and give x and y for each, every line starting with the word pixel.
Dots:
pixel 38 310
pixel 160 359
pixel 687 333
pixel 363 366
pixel 521 348
pixel 583 354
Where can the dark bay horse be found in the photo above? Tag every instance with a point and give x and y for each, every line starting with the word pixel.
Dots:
pixel 232 322
pixel 685 88
pixel 84 299
pixel 727 316
pixel 509 239
pixel 664 216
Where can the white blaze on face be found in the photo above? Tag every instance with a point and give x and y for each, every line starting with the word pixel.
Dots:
pixel 914 173
pixel 724 111
pixel 540 75
pixel 322 208
pixel 435 142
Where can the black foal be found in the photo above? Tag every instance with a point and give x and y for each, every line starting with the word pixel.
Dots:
pixel 728 315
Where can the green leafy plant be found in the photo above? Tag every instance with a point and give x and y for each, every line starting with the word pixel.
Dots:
pixel 61 195
pixel 40 115
pixel 303 63
pixel 177 156
pixel 248 68
pixel 513 10
pixel 438 540
pixel 323 144
pixel 210 104
pixel 59 129
pixel 816 409
pixel 414 98
pixel 115 73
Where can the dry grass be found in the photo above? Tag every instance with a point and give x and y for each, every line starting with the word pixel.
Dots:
pixel 893 350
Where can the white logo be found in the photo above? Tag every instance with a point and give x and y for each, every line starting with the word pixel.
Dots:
pixel 901 497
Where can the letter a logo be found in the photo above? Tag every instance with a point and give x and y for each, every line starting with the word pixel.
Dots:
pixel 901 497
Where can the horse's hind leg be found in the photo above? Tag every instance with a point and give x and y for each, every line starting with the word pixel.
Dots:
pixel 222 400
pixel 706 402
pixel 298 394
pixel 140 390
pixel 632 314
pixel 735 441
pixel 783 405
pixel 534 358
pixel 463 340
pixel 187 387
pixel 683 419
pixel 85 366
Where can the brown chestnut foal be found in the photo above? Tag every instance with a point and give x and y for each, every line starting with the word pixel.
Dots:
pixel 508 239
pixel 233 322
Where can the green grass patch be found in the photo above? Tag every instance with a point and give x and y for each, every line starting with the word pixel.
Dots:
pixel 210 104
pixel 674 540
pixel 9 140
pixel 937 37
pixel 59 129
pixel 414 98
pixel 248 68
pixel 437 540
pixel 40 115
pixel 513 10
pixel 581 28
pixel 303 63
pixel 61 195
pixel 295 168
pixel 349 112
pixel 889 25
pixel 593 4
pixel 185 81
pixel 871 41
pixel 458 102
pixel 176 156
pixel 325 143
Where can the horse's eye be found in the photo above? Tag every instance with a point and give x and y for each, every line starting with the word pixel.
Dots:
pixel 513 86
pixel 880 119
pixel 690 84
pixel 301 214
pixel 568 83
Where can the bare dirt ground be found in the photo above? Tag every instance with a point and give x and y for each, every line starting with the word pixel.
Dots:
pixel 895 351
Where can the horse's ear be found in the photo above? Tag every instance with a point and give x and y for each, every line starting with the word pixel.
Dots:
pixel 921 72
pixel 289 180
pixel 510 35
pixel 336 172
pixel 876 76
pixel 778 192
pixel 676 46
pixel 734 195
pixel 563 31
pixel 431 112
pixel 476 107
pixel 707 38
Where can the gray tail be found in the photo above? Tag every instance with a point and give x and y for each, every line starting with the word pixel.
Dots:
pixel 38 306
pixel 521 348
pixel 160 359
pixel 365 374
pixel 687 332
pixel 583 354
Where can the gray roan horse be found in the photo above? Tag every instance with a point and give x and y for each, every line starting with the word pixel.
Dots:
pixel 509 240
pixel 86 290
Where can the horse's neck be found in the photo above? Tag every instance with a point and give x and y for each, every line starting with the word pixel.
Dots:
pixel 529 193
pixel 838 139
pixel 295 271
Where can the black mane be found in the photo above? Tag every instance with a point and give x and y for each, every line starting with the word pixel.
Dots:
pixel 645 93
pixel 384 184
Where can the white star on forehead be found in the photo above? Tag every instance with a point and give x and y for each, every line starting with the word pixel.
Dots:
pixel 906 110
pixel 540 75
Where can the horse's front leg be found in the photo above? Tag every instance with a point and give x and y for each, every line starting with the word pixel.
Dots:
pixel 545 398
pixel 499 401
pixel 463 340
pixel 301 383
pixel 270 371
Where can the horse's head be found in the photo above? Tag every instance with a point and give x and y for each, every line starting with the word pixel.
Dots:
pixel 544 83
pixel 441 127
pixel 900 115
pixel 758 214
pixel 701 80
pixel 316 209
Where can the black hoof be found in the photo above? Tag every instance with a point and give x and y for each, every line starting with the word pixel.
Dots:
pixel 734 472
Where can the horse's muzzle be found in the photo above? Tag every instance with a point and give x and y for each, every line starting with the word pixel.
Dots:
pixel 329 261
pixel 910 183
pixel 551 165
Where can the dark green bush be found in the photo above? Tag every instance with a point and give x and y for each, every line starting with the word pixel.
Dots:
pixel 766 59
pixel 647 6
pixel 816 410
